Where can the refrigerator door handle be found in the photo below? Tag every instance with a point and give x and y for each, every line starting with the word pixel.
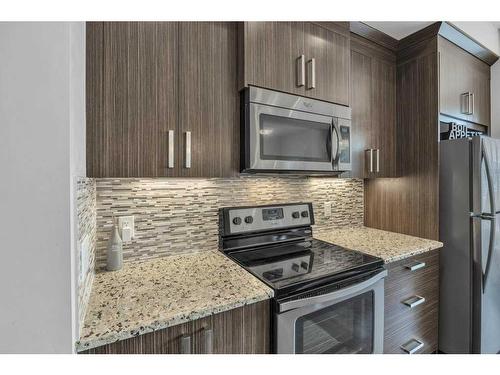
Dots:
pixel 490 249
pixel 491 191
pixel 493 210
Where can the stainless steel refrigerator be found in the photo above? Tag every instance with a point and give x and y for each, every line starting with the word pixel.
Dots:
pixel 469 311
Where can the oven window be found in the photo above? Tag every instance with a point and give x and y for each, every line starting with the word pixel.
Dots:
pixel 346 327
pixel 285 138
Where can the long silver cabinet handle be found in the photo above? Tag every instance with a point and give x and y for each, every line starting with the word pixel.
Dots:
pixel 186 344
pixel 412 346
pixel 187 162
pixel 170 149
pixel 311 73
pixel 209 340
pixel 378 159
pixel 415 266
pixel 301 71
pixel 414 301
pixel 465 103
pixel 471 112
pixel 371 159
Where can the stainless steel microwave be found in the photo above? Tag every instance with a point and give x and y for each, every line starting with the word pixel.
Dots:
pixel 294 134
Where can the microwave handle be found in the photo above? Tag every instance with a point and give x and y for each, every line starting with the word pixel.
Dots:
pixel 333 129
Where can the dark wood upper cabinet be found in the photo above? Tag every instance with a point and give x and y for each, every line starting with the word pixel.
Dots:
pixel 270 57
pixel 331 54
pixel 464 84
pixel 269 53
pixel 373 103
pixel 208 99
pixel 154 86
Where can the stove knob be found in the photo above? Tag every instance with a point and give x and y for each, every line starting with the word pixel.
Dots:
pixel 304 265
pixel 304 213
pixel 295 267
pixel 249 220
pixel 237 221
pixel 296 214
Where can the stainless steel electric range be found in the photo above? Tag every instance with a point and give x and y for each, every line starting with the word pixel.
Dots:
pixel 328 299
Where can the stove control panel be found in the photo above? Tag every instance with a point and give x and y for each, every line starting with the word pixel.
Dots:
pixel 261 218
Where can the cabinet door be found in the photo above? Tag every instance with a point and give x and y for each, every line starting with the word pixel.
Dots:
pixel 481 91
pixel 455 79
pixel 384 117
pixel 361 104
pixel 459 73
pixel 373 103
pixel 131 98
pixel 245 330
pixel 208 99
pixel 330 51
pixel 270 53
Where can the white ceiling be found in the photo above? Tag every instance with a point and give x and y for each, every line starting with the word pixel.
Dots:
pixel 398 30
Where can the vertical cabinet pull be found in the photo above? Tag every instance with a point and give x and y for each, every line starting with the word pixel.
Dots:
pixel 186 344
pixel 412 346
pixel 301 71
pixel 187 160
pixel 467 103
pixel 378 160
pixel 170 161
pixel 311 74
pixel 464 103
pixel 370 152
pixel 209 339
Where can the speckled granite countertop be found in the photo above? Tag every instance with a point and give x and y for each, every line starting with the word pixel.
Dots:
pixel 389 246
pixel 146 296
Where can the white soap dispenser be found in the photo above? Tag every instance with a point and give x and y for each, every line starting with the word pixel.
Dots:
pixel 115 251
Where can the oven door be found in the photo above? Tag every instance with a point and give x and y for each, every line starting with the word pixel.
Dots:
pixel 289 140
pixel 347 320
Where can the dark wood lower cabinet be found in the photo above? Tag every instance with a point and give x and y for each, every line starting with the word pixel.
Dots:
pixel 244 330
pixel 413 281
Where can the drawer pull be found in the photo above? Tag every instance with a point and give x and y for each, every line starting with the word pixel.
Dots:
pixel 414 301
pixel 415 266
pixel 186 344
pixel 412 346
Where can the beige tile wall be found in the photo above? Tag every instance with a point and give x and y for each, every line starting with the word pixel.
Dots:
pixel 176 216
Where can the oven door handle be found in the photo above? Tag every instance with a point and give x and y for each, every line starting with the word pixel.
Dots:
pixel 338 294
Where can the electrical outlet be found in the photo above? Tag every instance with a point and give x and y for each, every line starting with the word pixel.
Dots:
pixel 328 209
pixel 126 228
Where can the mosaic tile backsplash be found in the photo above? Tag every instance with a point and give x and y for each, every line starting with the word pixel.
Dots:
pixel 179 216
pixel 86 212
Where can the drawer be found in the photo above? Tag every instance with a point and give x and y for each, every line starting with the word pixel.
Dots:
pixel 423 327
pixel 400 273
pixel 412 303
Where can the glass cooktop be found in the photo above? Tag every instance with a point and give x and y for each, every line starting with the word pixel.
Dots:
pixel 292 264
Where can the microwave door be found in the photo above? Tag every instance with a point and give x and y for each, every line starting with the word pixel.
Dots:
pixel 289 140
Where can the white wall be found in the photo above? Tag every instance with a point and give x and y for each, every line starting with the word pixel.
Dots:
pixel 487 34
pixel 77 149
pixel 39 103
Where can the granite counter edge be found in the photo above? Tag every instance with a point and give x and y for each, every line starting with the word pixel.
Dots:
pixel 111 337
